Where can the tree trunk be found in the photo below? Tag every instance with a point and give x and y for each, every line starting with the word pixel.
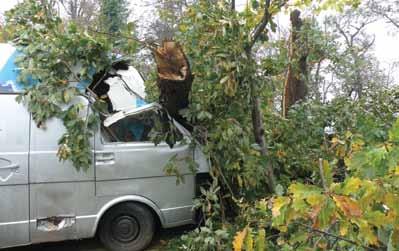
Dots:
pixel 257 115
pixel 295 86
pixel 174 78
pixel 259 133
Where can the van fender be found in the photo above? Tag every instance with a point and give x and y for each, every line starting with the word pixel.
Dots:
pixel 127 198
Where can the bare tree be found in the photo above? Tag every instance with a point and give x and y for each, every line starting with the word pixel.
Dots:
pixel 49 7
pixel 169 14
pixel 83 12
pixel 353 63
pixel 388 10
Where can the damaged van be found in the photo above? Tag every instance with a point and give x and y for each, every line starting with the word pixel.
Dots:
pixel 122 198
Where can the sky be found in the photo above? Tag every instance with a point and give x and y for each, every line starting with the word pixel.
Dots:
pixel 385 45
pixel 7 4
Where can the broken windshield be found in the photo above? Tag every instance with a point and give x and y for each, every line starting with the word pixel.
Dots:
pixel 149 125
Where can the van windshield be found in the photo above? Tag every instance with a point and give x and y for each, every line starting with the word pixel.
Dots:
pixel 143 127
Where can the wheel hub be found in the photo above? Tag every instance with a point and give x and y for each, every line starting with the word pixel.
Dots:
pixel 125 228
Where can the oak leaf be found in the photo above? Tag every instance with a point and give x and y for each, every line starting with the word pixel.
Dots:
pixel 348 206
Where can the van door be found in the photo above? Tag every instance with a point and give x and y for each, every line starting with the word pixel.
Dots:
pixel 128 162
pixel 59 194
pixel 14 154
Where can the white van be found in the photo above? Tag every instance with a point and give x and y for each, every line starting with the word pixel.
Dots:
pixel 123 197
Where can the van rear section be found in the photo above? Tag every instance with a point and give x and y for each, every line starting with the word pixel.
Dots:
pixel 14 172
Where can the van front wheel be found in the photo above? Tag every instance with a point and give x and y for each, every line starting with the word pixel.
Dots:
pixel 127 227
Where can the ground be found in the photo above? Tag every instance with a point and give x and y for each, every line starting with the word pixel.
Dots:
pixel 94 244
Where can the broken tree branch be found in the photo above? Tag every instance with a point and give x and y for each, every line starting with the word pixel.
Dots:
pixel 295 87
pixel 174 78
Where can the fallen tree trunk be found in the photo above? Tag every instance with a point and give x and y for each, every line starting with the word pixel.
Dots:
pixel 174 78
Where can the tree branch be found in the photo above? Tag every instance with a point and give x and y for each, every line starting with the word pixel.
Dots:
pixel 261 26
pixel 150 45
pixel 385 15
pixel 342 32
pixel 334 236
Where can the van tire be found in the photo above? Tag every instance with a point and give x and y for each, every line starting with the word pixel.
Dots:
pixel 127 227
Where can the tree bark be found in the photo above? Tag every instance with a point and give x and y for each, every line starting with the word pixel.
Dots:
pixel 295 87
pixel 174 78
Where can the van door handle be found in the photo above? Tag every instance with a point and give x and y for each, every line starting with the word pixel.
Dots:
pixel 11 166
pixel 105 158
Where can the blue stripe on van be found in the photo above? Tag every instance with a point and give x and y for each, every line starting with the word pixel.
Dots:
pixel 9 79
pixel 9 75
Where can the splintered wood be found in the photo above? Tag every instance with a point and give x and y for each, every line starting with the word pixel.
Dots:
pixel 174 78
pixel 295 87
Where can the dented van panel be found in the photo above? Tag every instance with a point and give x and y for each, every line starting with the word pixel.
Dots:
pixel 44 200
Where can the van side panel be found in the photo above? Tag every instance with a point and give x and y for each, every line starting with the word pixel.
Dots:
pixel 57 189
pixel 174 201
pixel 45 166
pixel 138 169
pixel 75 200
pixel 14 152
pixel 14 223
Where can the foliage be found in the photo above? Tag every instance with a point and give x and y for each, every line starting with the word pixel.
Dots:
pixel 222 75
pixel 211 235
pixel 362 209
pixel 220 112
pixel 334 190
pixel 309 217
pixel 296 144
pixel 221 95
pixel 57 61
pixel 2 34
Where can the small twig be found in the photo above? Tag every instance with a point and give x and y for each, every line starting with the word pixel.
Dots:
pixel 269 237
pixel 325 143
pixel 87 119
pixel 323 179
pixel 150 45
pixel 223 215
pixel 321 237
pixel 225 181
pixel 333 244
pixel 77 79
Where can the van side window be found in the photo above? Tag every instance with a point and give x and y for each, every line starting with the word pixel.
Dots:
pixel 143 127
